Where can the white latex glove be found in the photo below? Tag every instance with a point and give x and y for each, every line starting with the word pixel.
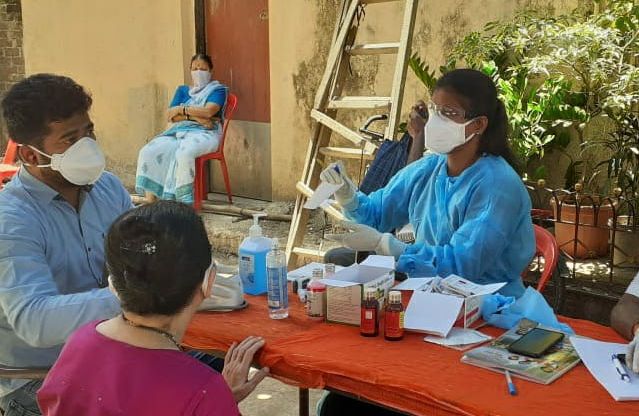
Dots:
pixel 632 354
pixel 361 237
pixel 336 174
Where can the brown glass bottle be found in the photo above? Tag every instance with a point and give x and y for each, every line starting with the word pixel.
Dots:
pixel 369 321
pixel 394 317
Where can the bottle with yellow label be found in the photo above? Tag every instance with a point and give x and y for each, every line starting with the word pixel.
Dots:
pixel 394 317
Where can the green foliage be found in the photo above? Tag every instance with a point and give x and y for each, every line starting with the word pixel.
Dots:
pixel 554 75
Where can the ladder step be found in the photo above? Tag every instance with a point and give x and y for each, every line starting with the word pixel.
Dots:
pixel 309 253
pixel 346 153
pixel 360 102
pixel 374 48
pixel 375 1
pixel 338 127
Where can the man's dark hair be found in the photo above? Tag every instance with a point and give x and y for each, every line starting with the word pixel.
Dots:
pixel 157 255
pixel 33 103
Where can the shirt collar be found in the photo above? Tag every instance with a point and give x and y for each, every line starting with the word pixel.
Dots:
pixel 40 190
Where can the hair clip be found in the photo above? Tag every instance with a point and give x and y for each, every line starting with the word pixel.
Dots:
pixel 147 248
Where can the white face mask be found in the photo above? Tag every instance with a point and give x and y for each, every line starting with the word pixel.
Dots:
pixel 443 135
pixel 200 78
pixel 81 164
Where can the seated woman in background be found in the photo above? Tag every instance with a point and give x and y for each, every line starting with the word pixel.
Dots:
pixel 166 165
pixel 159 262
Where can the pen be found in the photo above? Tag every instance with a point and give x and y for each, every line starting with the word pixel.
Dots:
pixel 616 360
pixel 512 390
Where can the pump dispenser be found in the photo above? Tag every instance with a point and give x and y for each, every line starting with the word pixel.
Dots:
pixel 252 259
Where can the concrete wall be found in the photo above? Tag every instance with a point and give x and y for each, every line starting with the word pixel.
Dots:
pixel 299 51
pixel 11 59
pixel 130 54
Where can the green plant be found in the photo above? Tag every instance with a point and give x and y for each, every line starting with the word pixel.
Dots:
pixel 621 167
pixel 556 74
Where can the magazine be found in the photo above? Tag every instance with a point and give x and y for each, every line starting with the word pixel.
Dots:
pixel 496 357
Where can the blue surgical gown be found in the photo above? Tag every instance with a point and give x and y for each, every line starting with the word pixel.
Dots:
pixel 476 225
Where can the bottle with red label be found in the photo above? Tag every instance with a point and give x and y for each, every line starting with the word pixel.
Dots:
pixel 316 297
pixel 369 321
pixel 394 317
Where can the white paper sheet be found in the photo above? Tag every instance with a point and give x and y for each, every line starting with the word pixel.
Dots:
pixel 432 313
pixel 355 274
pixel 459 338
pixel 414 283
pixel 324 191
pixel 597 356
pixel 384 262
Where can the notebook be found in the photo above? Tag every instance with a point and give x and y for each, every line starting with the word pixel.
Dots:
pixel 496 357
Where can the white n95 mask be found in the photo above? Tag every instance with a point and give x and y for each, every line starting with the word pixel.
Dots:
pixel 200 78
pixel 81 164
pixel 443 135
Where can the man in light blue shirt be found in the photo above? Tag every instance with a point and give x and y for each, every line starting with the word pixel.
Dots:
pixel 53 218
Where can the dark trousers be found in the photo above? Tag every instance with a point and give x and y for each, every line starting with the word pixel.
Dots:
pixel 334 404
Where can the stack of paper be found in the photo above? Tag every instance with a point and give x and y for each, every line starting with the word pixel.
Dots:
pixel 432 313
pixel 597 356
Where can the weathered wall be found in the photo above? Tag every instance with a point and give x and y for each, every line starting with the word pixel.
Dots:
pixel 299 51
pixel 11 60
pixel 130 54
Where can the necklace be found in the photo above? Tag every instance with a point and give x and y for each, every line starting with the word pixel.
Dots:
pixel 162 332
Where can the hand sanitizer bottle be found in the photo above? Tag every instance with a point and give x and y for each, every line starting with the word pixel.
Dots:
pixel 252 259
pixel 277 283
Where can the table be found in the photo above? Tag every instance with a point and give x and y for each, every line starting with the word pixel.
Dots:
pixel 409 375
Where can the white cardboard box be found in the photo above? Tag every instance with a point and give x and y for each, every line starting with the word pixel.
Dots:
pixel 345 292
pixel 474 294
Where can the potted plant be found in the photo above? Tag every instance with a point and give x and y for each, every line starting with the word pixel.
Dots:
pixel 621 170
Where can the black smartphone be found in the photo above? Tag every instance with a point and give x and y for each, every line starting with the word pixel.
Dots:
pixel 536 342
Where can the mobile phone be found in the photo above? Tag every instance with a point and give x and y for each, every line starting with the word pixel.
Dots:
pixel 536 342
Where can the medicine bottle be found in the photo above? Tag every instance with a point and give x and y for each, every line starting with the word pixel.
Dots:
pixel 369 321
pixel 394 317
pixel 316 297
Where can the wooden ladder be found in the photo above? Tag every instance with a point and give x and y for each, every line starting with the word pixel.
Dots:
pixel 328 101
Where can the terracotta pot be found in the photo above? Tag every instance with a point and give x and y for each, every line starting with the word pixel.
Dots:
pixel 626 244
pixel 592 241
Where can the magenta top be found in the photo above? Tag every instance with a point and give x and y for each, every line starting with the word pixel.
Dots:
pixel 96 375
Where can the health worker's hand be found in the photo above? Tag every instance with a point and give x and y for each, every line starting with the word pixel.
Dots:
pixel 335 174
pixel 361 237
pixel 417 119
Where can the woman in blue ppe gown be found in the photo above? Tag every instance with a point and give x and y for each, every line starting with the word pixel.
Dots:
pixel 469 208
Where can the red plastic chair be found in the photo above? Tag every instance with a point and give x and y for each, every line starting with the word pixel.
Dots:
pixel 546 247
pixel 200 184
pixel 8 167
